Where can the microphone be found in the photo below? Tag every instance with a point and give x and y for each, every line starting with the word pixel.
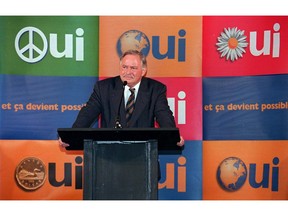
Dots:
pixel 117 122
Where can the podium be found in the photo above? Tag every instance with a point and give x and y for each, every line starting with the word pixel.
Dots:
pixel 121 163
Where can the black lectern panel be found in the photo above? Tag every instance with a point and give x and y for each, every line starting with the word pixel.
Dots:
pixel 167 138
pixel 120 170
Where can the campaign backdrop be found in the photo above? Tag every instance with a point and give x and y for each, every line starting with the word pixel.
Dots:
pixel 226 80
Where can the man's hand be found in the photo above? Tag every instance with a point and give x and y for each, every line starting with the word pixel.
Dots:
pixel 62 144
pixel 181 142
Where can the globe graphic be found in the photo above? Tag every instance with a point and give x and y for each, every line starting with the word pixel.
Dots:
pixel 133 40
pixel 231 174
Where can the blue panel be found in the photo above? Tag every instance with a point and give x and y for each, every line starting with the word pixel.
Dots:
pixel 241 102
pixel 35 94
pixel 181 175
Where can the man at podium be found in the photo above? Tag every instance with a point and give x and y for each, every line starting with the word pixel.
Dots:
pixel 130 100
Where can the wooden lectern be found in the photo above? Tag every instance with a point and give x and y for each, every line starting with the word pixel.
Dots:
pixel 121 163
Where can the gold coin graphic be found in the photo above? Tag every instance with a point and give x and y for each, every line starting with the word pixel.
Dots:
pixel 30 173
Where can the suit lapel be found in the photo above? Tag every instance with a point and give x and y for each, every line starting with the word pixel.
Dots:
pixel 141 101
pixel 116 98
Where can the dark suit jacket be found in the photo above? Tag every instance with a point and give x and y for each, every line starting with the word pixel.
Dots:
pixel 151 104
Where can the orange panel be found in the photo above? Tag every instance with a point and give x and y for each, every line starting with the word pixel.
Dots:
pixel 39 166
pixel 179 36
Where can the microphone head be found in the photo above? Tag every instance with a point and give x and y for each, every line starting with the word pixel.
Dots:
pixel 125 83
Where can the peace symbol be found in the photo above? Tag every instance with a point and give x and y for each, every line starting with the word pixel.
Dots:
pixel 30 48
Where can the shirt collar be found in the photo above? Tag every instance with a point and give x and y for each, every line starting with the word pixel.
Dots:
pixel 127 92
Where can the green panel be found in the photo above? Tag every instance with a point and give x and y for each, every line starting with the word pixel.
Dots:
pixel 49 45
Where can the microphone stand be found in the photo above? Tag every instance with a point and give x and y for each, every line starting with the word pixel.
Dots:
pixel 117 122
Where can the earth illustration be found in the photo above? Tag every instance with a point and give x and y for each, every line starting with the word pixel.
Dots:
pixel 231 174
pixel 133 39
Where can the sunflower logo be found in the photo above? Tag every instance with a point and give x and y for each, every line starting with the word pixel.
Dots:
pixel 231 43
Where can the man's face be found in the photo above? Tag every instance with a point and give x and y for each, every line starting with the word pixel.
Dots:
pixel 131 70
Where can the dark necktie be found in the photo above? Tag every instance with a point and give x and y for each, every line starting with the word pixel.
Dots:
pixel 130 106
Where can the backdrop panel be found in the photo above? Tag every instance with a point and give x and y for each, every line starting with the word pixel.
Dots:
pixel 173 45
pixel 245 170
pixel 260 42
pixel 245 108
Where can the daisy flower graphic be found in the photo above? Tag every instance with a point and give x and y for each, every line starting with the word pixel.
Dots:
pixel 231 43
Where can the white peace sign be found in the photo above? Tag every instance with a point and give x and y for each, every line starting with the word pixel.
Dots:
pixel 30 47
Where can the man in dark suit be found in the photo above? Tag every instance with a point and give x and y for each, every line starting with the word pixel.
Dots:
pixel 149 95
